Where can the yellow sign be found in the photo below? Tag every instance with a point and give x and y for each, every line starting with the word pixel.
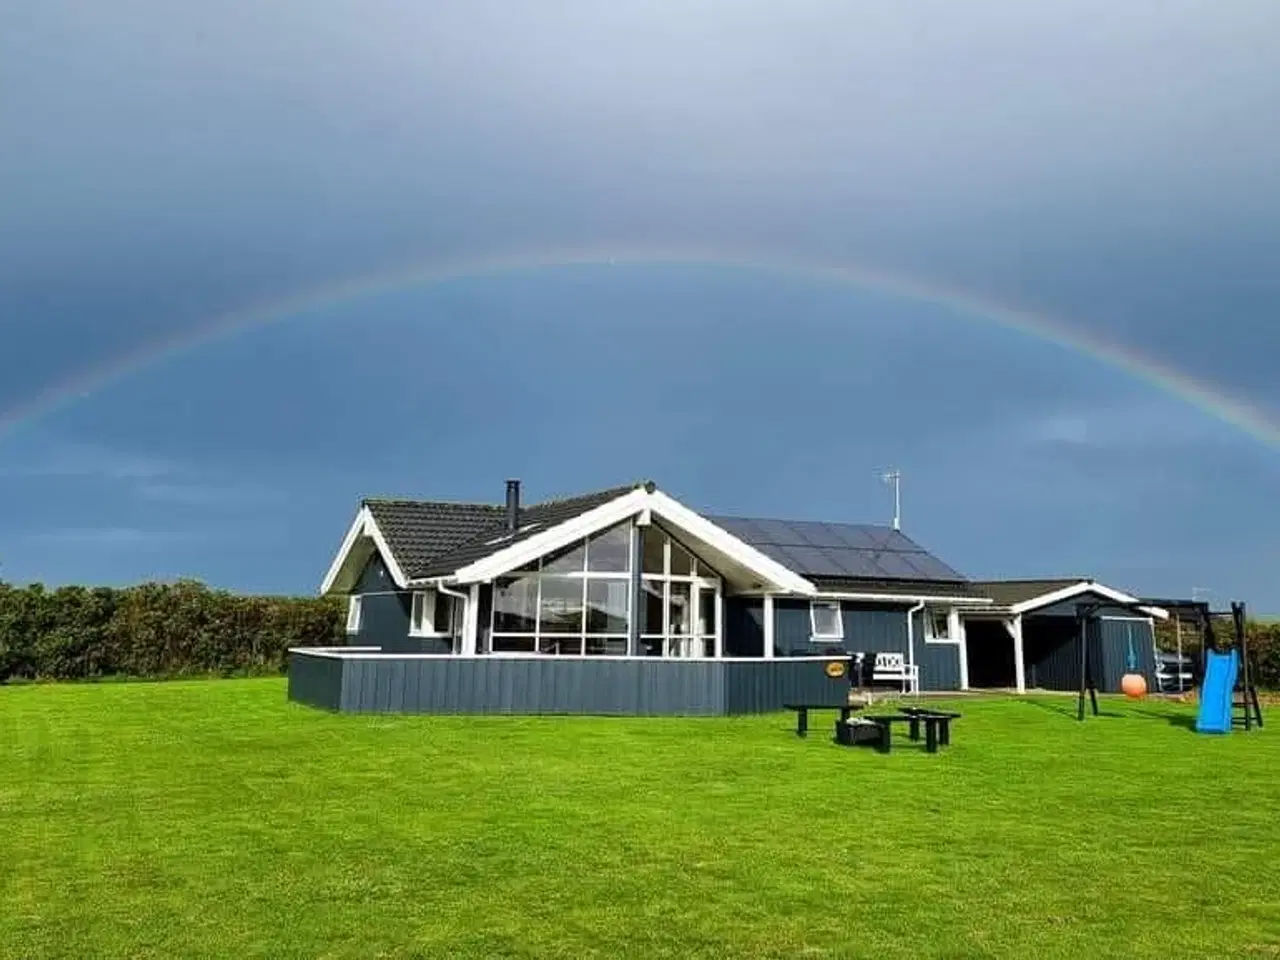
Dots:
pixel 835 669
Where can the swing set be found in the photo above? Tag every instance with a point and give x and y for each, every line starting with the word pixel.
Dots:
pixel 1228 692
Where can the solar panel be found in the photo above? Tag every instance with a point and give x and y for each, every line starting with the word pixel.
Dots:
pixel 821 535
pixel 817 562
pixel 856 551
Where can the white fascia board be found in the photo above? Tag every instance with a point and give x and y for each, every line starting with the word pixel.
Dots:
pixel 785 579
pixel 553 538
pixel 364 525
pixel 978 603
pixel 636 503
pixel 1085 586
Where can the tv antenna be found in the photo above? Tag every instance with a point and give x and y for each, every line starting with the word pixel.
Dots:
pixel 894 477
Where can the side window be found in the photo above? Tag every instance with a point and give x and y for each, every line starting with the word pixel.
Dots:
pixel 825 620
pixel 422 615
pixel 353 614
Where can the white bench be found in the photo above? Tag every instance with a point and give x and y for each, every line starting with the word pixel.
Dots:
pixel 893 668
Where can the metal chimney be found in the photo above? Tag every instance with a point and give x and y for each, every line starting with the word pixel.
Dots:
pixel 513 505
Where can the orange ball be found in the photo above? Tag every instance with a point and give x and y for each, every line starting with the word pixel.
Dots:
pixel 1134 685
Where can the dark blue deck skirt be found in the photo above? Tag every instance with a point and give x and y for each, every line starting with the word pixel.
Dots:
pixel 366 682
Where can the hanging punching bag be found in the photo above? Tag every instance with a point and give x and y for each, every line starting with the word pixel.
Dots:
pixel 1133 684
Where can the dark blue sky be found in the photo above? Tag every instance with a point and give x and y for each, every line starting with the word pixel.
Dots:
pixel 1113 167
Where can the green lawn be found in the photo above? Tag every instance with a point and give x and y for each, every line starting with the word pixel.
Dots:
pixel 216 819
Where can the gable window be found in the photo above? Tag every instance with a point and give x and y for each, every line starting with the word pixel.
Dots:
pixel 431 615
pixel 937 624
pixel 825 621
pixel 354 612
pixel 680 599
pixel 573 602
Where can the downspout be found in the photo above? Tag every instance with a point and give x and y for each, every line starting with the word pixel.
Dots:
pixel 911 632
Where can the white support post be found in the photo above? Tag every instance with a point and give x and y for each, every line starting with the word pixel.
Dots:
pixel 471 624
pixel 768 626
pixel 720 622
pixel 962 631
pixel 1019 662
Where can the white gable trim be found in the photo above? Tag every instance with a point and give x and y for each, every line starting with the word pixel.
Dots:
pixel 552 539
pixel 722 540
pixel 1083 587
pixel 635 503
pixel 363 526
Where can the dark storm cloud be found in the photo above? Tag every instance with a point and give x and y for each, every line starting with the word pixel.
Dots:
pixel 1109 161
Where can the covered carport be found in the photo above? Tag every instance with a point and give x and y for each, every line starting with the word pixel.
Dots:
pixel 1029 638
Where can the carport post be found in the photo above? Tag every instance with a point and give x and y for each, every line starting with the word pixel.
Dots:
pixel 1019 661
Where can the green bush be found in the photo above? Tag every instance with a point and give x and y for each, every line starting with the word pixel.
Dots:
pixel 1263 637
pixel 155 630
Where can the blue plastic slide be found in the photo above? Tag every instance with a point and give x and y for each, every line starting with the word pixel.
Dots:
pixel 1215 694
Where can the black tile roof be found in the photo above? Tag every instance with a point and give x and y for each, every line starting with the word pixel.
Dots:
pixel 1008 592
pixel 417 531
pixel 430 538
pixel 533 519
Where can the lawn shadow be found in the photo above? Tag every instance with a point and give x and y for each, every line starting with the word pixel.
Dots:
pixel 1184 720
pixel 1069 708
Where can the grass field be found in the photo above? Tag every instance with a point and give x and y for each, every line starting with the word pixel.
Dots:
pixel 216 819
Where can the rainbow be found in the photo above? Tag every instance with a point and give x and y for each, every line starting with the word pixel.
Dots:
pixel 1238 413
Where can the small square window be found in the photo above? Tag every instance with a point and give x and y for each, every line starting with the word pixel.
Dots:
pixel 825 620
pixel 354 614
pixel 939 625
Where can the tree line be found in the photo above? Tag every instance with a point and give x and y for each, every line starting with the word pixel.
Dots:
pixel 155 630
pixel 1263 637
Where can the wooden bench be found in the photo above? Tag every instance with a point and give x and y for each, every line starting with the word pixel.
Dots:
pixel 934 724
pixel 802 713
pixel 940 718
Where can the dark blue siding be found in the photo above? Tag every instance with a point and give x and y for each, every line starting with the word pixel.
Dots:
pixel 870 628
pixel 743 627
pixel 875 628
pixel 384 618
pixel 1116 636
pixel 939 663
pixel 631 687
pixel 1053 652
pixel 1067 608
pixel 315 680
pixel 771 684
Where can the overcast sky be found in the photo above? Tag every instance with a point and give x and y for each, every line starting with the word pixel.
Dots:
pixel 1109 164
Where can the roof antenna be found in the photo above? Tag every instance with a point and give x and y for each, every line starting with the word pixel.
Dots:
pixel 894 477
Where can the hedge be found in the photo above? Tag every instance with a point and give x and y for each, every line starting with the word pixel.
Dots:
pixel 154 631
pixel 1264 645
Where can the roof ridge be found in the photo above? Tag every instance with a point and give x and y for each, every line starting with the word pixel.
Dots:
pixel 559 500
pixel 828 523
pixel 413 501
pixel 1037 580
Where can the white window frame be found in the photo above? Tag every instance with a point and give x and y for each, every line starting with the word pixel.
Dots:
pixel 684 646
pixel 355 613
pixel 422 614
pixel 814 633
pixel 533 640
pixel 953 625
